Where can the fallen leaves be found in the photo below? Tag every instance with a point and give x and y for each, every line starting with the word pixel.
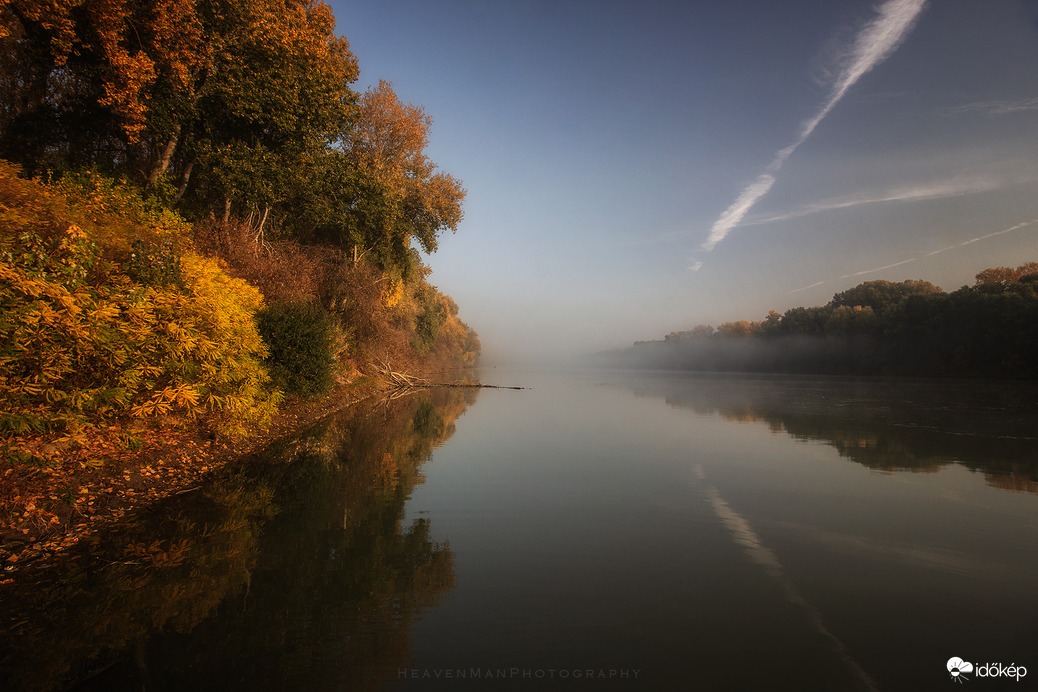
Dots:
pixel 94 481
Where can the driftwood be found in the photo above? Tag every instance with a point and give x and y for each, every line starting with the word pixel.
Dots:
pixel 473 385
pixel 403 382
pixel 398 379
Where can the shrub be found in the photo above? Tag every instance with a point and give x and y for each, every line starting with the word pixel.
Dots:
pixel 434 312
pixel 355 295
pixel 81 339
pixel 300 337
pixel 115 214
pixel 283 270
pixel 155 266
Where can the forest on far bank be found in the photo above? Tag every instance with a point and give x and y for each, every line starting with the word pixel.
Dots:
pixel 906 328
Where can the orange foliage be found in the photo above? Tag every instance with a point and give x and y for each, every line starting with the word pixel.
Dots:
pixel 131 44
pixel 1006 275
pixel 283 270
pixel 389 142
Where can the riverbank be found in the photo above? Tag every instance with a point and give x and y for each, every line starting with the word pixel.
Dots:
pixel 91 485
pixel 92 616
pixel 135 359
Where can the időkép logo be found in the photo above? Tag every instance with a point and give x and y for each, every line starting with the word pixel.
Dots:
pixel 961 670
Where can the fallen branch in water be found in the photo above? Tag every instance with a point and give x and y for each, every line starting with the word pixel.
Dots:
pixel 473 385
pixel 406 381
pixel 398 379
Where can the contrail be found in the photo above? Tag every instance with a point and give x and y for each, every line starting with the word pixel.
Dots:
pixel 997 107
pixel 798 290
pixel 937 190
pixel 1018 226
pixel 874 43
pixel 879 269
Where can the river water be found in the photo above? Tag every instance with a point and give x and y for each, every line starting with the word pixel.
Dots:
pixel 594 531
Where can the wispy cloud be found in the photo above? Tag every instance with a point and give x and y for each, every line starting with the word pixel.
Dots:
pixel 910 193
pixel 738 209
pixel 798 290
pixel 997 107
pixel 1017 227
pixel 874 43
pixel 879 269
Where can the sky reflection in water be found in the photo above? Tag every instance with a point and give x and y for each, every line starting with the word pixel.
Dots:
pixel 731 532
pixel 662 531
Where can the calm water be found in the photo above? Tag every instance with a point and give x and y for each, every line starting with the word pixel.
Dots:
pixel 649 532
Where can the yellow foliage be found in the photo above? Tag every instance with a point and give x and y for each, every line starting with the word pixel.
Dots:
pixel 81 341
pixel 393 293
pixel 115 214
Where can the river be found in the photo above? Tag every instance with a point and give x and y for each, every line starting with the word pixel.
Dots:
pixel 650 531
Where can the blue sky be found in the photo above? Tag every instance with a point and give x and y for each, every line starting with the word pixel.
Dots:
pixel 638 167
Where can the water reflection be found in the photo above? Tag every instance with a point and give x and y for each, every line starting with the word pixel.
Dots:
pixel 745 536
pixel 292 571
pixel 888 425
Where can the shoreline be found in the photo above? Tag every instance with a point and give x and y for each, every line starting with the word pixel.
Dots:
pixel 48 510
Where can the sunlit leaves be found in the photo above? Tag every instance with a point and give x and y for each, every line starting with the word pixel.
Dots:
pixel 282 96
pixel 76 350
pixel 389 142
pixel 1007 275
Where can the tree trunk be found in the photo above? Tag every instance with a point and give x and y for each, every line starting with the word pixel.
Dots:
pixel 263 222
pixel 164 158
pixel 184 177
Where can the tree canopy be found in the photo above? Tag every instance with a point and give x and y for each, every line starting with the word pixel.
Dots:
pixel 988 329
pixel 229 109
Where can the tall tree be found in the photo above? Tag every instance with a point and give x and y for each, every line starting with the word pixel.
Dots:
pixel 233 108
pixel 237 88
pixel 279 94
pixel 882 295
pixel 1005 275
pixel 388 145
pixel 82 78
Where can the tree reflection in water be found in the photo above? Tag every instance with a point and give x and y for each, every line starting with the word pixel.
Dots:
pixel 886 424
pixel 290 570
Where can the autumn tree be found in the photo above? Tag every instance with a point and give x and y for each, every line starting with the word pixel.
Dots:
pixel 241 115
pixel 882 295
pixel 235 108
pixel 1006 275
pixel 911 328
pixel 859 319
pixel 90 82
pixel 237 92
pixel 772 324
pixel 742 328
pixel 277 99
pixel 388 145
pixel 802 321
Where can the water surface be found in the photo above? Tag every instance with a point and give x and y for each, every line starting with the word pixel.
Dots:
pixel 725 532
pixel 599 531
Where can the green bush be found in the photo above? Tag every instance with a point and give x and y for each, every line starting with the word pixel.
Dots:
pixel 155 266
pixel 300 337
pixel 428 322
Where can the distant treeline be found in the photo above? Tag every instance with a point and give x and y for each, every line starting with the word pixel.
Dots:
pixel 989 329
